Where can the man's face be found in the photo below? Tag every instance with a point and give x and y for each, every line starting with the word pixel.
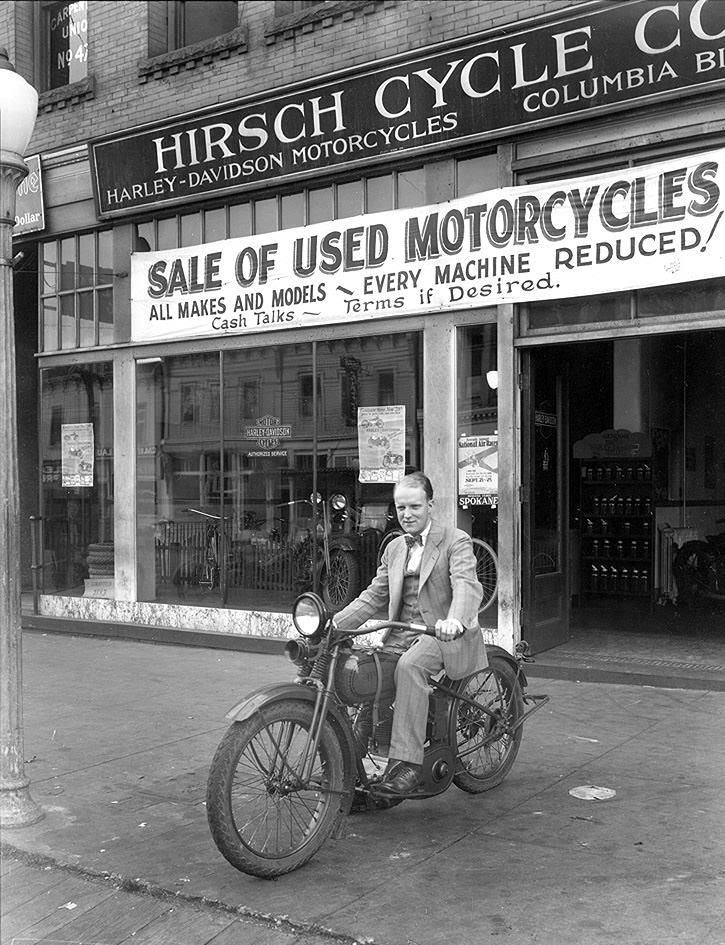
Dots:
pixel 413 508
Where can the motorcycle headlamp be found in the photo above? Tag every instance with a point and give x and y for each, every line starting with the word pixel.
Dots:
pixel 338 502
pixel 309 614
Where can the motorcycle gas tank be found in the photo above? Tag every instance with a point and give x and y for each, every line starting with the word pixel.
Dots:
pixel 356 677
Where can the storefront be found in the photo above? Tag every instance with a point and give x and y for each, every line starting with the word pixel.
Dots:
pixel 236 372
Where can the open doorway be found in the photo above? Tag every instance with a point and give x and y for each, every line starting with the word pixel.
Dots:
pixel 643 473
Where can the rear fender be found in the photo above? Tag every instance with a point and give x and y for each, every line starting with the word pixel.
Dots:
pixel 337 714
pixel 493 650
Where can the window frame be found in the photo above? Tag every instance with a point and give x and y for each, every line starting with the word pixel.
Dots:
pixel 43 70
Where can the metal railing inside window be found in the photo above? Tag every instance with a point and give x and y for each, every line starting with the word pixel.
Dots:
pixel 76 291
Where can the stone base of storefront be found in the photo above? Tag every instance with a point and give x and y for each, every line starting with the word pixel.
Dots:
pixel 212 620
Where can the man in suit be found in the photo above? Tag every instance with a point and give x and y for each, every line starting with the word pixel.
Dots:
pixel 428 576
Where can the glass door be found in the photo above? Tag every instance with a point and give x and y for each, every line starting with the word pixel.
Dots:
pixel 545 556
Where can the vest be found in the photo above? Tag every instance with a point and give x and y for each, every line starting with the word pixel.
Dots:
pixel 399 640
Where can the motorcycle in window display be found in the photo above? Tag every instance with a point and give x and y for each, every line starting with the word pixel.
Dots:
pixel 300 756
pixel 699 569
pixel 343 554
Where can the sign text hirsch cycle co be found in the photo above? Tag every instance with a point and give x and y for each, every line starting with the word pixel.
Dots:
pixel 618 56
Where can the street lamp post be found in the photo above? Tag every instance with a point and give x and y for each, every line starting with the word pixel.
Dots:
pixel 18 109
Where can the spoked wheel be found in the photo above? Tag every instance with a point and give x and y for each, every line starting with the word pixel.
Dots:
pixel 486 572
pixel 485 750
pixel 391 536
pixel 341 584
pixel 263 819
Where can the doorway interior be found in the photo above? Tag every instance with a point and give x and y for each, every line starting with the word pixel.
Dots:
pixel 641 472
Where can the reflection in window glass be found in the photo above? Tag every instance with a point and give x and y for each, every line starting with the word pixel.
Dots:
pixel 50 267
pixel 293 210
pixel 215 225
pixel 578 311
pixel 77 480
pixel 85 317
pixel 104 275
pixel 350 199
pixel 167 233
pixel 321 208
pixel 380 195
pixel 85 259
pixel 476 175
pixel 50 323
pixel 271 544
pixel 64 42
pixel 191 229
pixel 477 460
pixel 68 321
pixel 104 301
pixel 240 220
pixel 145 233
pixel 67 264
pixel 265 215
pixel 411 188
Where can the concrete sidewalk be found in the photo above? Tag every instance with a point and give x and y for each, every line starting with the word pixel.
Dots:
pixel 119 737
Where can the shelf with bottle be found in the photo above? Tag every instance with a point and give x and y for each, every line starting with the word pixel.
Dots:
pixel 618 506
pixel 633 549
pixel 630 472
pixel 620 580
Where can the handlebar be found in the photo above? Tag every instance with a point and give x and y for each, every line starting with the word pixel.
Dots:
pixel 217 518
pixel 393 625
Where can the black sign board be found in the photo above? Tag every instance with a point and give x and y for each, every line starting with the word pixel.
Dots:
pixel 612 57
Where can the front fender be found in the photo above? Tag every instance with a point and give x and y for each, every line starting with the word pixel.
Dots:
pixel 268 695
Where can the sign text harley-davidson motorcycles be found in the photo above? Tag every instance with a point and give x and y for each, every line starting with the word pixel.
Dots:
pixel 614 57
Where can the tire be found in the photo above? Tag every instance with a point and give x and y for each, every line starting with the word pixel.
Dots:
pixel 245 792
pixel 486 572
pixel 386 541
pixel 341 584
pixel 486 753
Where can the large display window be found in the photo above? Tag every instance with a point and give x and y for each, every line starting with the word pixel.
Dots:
pixel 478 452
pixel 76 465
pixel 266 471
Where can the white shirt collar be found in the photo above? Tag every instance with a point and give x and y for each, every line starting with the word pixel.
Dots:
pixel 424 533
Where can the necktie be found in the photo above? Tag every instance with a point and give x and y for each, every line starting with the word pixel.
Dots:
pixel 412 540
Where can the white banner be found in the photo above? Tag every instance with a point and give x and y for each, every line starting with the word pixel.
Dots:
pixel 655 225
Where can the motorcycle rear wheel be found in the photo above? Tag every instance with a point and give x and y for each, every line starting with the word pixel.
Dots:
pixel 260 822
pixel 485 751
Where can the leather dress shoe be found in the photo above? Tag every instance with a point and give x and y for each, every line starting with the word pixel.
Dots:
pixel 403 779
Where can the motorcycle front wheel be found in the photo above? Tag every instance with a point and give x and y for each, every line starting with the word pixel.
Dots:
pixel 263 819
pixel 486 747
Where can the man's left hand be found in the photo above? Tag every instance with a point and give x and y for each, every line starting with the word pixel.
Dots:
pixel 449 629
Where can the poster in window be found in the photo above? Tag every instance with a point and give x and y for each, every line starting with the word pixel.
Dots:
pixel 76 442
pixel 477 470
pixel 381 443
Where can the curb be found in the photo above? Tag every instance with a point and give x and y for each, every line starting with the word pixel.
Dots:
pixel 155 891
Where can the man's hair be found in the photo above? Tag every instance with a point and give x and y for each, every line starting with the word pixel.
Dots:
pixel 417 480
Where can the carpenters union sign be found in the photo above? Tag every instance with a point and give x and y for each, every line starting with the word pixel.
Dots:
pixel 611 57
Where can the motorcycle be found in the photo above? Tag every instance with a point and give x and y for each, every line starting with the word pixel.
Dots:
pixel 299 756
pixel 343 558
pixel 699 569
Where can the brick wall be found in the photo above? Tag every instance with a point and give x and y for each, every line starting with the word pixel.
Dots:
pixel 119 37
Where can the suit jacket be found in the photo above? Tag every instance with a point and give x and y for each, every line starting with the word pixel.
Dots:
pixel 447 587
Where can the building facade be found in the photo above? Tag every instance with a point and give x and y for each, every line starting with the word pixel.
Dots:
pixel 292 250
